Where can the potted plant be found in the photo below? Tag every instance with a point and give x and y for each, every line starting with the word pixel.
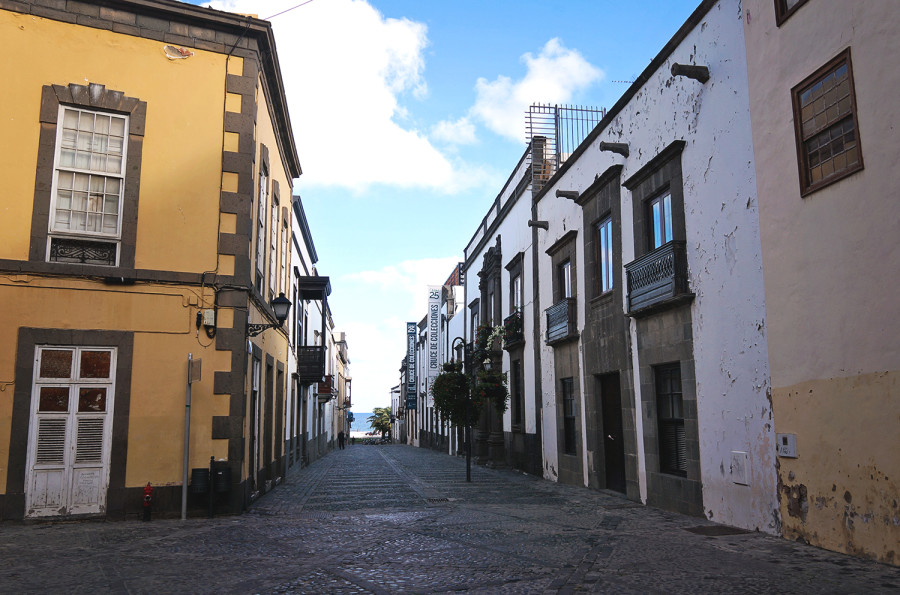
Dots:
pixel 491 387
pixel 450 390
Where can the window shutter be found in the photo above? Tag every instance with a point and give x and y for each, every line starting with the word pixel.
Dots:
pixel 51 441
pixel 89 441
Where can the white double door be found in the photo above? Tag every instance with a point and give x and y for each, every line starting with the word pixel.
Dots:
pixel 71 430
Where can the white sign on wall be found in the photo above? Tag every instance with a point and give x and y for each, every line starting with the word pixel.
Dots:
pixel 433 355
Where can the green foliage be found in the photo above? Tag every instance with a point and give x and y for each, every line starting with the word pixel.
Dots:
pixel 381 420
pixel 491 388
pixel 451 393
pixel 512 328
pixel 486 342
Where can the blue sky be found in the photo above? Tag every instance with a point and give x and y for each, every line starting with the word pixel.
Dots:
pixel 409 116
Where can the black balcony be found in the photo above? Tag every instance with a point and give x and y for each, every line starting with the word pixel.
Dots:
pixel 513 333
pixel 561 319
pixel 310 364
pixel 658 279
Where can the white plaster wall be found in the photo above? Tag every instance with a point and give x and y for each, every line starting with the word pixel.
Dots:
pixel 723 255
pixel 563 216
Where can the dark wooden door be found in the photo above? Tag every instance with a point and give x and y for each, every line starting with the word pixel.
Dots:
pixel 613 438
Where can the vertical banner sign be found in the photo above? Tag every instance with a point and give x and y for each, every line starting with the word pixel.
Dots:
pixel 434 338
pixel 410 366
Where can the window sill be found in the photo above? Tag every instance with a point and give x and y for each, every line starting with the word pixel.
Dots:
pixel 813 188
pixel 603 298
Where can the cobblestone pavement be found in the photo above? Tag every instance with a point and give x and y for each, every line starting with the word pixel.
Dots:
pixel 388 519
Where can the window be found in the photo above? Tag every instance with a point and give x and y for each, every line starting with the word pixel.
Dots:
pixel 273 251
pixel 261 229
pixel 605 255
pixel 515 294
pixel 785 8
pixel 660 219
pixel 670 420
pixel 88 187
pixel 285 251
pixel 565 279
pixel 568 405
pixel 517 400
pixel 825 122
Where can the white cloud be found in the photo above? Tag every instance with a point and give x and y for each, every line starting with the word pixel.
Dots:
pixel 552 77
pixel 460 132
pixel 346 68
pixel 378 305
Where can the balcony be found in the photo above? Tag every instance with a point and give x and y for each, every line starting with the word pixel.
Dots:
pixel 658 279
pixel 326 389
pixel 561 321
pixel 513 335
pixel 310 364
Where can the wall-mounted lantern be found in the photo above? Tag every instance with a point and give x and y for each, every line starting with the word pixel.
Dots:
pixel 281 306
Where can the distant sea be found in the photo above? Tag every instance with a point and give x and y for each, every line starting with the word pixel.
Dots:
pixel 360 421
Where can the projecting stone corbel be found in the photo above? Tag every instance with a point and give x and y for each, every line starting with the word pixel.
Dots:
pixel 541 224
pixel 620 148
pixel 570 194
pixel 700 73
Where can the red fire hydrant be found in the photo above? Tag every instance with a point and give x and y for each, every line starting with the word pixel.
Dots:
pixel 148 500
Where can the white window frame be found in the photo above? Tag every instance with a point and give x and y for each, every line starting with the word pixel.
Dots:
pixel 273 251
pixel 660 212
pixel 261 229
pixel 54 229
pixel 605 254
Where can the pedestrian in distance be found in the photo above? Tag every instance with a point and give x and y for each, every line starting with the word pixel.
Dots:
pixel 341 439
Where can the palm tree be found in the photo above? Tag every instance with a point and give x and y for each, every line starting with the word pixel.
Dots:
pixel 381 420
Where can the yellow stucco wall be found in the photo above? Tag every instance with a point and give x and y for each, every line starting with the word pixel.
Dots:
pixel 163 321
pixel 182 152
pixel 842 492
pixel 828 262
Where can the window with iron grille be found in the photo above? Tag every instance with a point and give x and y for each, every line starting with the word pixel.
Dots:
pixel 826 128
pixel 567 386
pixel 670 419
pixel 88 186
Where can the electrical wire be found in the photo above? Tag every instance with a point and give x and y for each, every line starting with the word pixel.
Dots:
pixel 287 10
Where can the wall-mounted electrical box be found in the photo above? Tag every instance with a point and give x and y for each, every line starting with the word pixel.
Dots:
pixel 786 445
pixel 209 317
pixel 740 467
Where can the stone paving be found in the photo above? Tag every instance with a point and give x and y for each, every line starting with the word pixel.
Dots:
pixel 397 519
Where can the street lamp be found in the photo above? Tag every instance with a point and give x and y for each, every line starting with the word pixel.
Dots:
pixel 453 347
pixel 281 305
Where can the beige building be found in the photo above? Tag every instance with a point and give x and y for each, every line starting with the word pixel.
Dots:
pixel 825 115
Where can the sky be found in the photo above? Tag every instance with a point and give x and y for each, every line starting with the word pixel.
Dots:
pixel 409 115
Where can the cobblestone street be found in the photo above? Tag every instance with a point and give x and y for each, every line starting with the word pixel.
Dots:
pixel 386 519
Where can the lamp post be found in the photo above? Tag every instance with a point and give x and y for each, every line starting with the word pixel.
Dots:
pixel 281 306
pixel 468 437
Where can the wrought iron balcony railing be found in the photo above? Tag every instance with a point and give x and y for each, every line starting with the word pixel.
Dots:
pixel 561 321
pixel 310 363
pixel 658 278
pixel 513 334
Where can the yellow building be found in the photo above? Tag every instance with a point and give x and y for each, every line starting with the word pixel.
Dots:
pixel 824 112
pixel 148 164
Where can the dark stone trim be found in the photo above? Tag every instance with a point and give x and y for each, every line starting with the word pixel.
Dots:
pixel 94 97
pixel 28 338
pixel 28 267
pixel 561 243
pixel 599 182
pixel 672 150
